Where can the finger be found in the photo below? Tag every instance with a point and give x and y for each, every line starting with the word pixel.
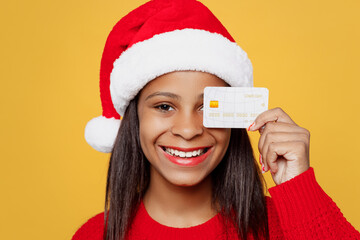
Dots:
pixel 280 127
pixel 290 151
pixel 277 137
pixel 261 130
pixel 271 115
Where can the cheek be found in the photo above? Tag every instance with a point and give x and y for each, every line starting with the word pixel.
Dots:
pixel 150 128
pixel 222 137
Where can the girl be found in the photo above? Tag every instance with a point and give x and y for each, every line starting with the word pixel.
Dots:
pixel 170 177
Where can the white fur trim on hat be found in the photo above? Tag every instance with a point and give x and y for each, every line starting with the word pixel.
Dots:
pixel 101 132
pixel 187 49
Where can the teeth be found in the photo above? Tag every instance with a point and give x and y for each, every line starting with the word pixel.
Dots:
pixel 184 154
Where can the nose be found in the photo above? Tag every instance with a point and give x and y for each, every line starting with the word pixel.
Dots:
pixel 188 125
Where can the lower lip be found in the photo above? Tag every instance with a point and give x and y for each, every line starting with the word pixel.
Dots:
pixel 188 162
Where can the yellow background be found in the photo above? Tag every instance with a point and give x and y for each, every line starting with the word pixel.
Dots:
pixel 305 52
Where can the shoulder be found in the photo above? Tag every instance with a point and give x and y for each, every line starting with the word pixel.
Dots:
pixel 92 229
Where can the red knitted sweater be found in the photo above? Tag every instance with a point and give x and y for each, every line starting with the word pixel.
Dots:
pixel 297 209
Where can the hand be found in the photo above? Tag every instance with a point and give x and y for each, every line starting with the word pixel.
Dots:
pixel 283 145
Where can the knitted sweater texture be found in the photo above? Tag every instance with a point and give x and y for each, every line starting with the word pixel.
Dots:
pixel 297 209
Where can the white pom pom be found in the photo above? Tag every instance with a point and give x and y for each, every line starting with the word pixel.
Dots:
pixel 101 132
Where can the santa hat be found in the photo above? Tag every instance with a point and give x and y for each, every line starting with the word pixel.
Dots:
pixel 159 37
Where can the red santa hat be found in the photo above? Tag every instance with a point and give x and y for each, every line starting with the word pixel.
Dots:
pixel 159 37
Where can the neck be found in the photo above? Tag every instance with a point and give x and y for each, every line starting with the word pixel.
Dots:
pixel 178 206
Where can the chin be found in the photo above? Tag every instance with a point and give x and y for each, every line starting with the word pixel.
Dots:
pixel 185 179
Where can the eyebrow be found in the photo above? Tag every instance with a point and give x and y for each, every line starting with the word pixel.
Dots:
pixel 165 94
pixel 169 94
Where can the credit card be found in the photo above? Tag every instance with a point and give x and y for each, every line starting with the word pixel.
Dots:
pixel 233 107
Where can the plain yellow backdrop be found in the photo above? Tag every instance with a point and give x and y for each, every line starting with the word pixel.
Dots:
pixel 305 52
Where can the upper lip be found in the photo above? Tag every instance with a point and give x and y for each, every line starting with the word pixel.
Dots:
pixel 187 149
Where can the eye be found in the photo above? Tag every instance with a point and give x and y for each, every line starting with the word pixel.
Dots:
pixel 164 107
pixel 201 108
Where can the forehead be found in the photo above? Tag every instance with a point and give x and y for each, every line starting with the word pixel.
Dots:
pixel 182 82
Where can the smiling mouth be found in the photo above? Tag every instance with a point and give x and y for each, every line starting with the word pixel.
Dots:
pixel 185 154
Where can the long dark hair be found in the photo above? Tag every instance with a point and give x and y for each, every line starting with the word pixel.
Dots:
pixel 237 183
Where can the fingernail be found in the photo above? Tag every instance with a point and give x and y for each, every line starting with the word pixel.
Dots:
pixel 260 161
pixel 250 126
pixel 263 168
